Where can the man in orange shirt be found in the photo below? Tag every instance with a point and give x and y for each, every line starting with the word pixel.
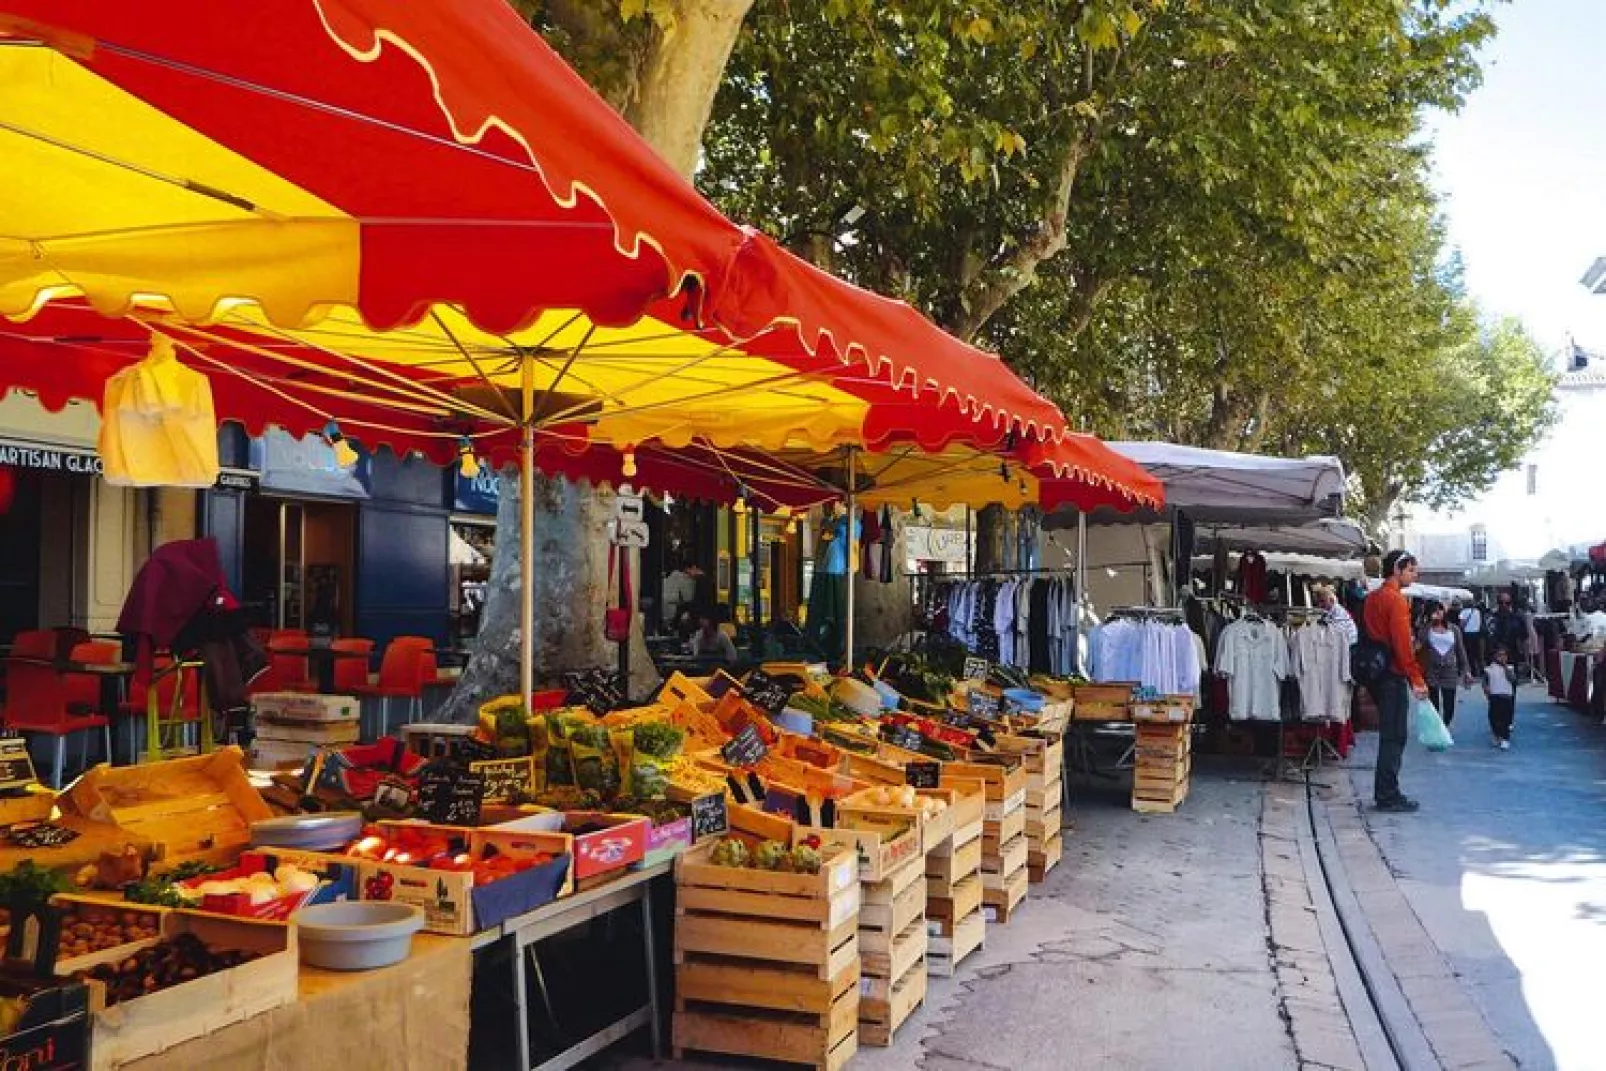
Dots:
pixel 1387 619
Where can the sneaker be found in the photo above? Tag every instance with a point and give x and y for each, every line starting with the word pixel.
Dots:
pixel 1398 806
pixel 1504 745
pixel 1495 741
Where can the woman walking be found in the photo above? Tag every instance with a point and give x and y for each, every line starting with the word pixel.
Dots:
pixel 1444 660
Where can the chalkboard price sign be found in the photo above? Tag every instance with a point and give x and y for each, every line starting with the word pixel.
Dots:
pixel 505 779
pixel 923 774
pixel 744 749
pixel 983 704
pixel 709 816
pixel 16 768
pixel 451 796
pixel 765 692
pixel 600 690
pixel 975 669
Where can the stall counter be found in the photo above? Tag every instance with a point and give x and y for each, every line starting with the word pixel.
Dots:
pixel 410 1017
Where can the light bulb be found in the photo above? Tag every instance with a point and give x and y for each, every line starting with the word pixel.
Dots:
pixel 467 463
pixel 345 456
pixel 741 506
pixel 629 468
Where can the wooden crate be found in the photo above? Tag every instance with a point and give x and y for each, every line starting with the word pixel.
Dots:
pixel 1043 827
pixel 995 810
pixel 879 1020
pixel 1041 860
pixel 200 807
pixel 945 913
pixel 903 951
pixel 807 920
pixel 995 834
pixel 943 872
pixel 1043 753
pixel 775 987
pixel 945 953
pixel 880 922
pixel 999 904
pixel 1169 709
pixel 156 1022
pixel 857 811
pixel 970 800
pixel 1111 692
pixel 880 854
pixel 998 869
pixel 825 1040
pixel 1050 796
pixel 1157 804
pixel 1001 778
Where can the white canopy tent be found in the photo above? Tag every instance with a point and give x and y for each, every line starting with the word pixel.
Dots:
pixel 1442 594
pixel 1218 485
pixel 1329 537
pixel 1301 565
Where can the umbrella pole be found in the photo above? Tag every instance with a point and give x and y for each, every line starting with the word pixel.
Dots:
pixel 1081 559
pixel 527 538
pixel 847 558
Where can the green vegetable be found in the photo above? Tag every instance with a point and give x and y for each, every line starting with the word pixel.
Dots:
pixel 659 739
pixel 730 852
pixel 805 860
pixel 769 854
pixel 27 886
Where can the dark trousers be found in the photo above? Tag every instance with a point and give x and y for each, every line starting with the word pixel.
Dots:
pixel 1443 701
pixel 1393 696
pixel 1474 642
pixel 1502 712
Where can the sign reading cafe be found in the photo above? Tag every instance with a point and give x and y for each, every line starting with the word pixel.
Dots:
pixel 49 459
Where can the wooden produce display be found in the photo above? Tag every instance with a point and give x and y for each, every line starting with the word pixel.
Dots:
pixel 1104 702
pixel 892 952
pixel 1044 756
pixel 767 963
pixel 1003 849
pixel 1162 762
pixel 200 807
pixel 954 919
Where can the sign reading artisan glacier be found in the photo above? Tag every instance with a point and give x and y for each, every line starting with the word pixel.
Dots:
pixel 48 459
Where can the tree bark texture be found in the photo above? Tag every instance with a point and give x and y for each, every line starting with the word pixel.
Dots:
pixel 667 93
pixel 571 594
pixel 882 611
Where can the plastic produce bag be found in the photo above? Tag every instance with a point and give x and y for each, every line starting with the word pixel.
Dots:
pixel 1430 728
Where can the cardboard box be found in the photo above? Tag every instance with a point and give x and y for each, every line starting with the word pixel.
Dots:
pixel 339 882
pixel 305 707
pixel 619 845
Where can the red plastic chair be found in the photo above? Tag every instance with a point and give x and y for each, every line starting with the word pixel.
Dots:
pixel 351 674
pixel 47 701
pixel 398 679
pixel 287 661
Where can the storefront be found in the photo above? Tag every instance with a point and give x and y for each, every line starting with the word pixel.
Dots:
pixel 345 550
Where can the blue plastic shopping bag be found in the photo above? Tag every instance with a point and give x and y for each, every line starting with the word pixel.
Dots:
pixel 1430 728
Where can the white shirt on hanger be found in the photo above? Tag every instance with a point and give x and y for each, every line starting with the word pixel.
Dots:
pixel 1321 664
pixel 1253 656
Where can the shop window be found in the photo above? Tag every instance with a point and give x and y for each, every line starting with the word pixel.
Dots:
pixel 1480 543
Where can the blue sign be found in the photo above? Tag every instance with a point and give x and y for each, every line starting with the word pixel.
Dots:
pixel 308 466
pixel 478 495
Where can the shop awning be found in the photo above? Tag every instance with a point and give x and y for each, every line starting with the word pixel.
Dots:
pixel 347 170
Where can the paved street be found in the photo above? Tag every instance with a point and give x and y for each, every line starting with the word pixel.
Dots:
pixel 1505 866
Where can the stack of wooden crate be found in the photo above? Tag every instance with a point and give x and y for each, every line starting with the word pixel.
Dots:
pixel 1162 762
pixel 892 951
pixel 1044 756
pixel 954 917
pixel 1003 832
pixel 767 963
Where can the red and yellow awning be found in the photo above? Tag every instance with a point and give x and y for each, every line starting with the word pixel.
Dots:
pixel 384 214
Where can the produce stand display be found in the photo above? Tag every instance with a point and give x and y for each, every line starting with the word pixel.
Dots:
pixel 1163 762
pixel 767 964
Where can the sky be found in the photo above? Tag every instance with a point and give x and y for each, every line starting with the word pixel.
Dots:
pixel 1523 170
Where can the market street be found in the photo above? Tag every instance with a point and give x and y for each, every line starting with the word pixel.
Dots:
pixel 1505 866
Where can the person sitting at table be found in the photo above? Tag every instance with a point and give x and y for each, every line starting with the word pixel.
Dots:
pixel 710 641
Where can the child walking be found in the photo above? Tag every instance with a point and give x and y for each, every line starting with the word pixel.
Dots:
pixel 1500 688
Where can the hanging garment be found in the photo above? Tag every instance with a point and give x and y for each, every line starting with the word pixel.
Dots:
pixel 1004 623
pixel 1038 628
pixel 888 540
pixel 1321 664
pixel 1023 617
pixel 1253 656
pixel 1252 577
pixel 158 427
pixel 870 545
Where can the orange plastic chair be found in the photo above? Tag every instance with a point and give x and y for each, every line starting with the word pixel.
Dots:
pixel 351 674
pixel 287 661
pixel 44 700
pixel 398 679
